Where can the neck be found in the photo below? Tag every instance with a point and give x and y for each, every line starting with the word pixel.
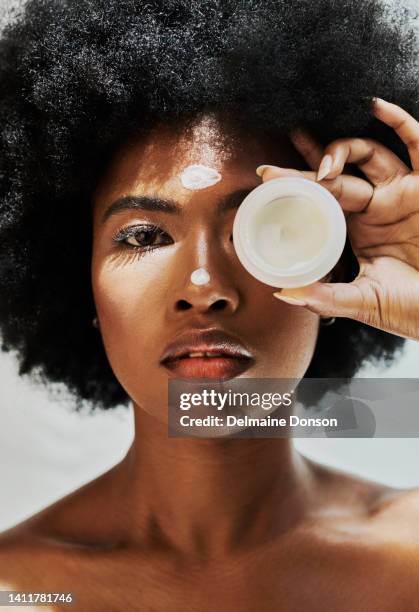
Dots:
pixel 210 497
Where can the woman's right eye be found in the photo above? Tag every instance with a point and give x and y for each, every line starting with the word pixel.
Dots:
pixel 142 237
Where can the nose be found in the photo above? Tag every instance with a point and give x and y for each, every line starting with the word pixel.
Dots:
pixel 206 299
pixel 219 295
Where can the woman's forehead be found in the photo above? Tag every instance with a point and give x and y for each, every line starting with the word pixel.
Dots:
pixel 167 150
pixel 207 139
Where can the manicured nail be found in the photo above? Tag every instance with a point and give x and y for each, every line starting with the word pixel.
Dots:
pixel 379 103
pixel 378 100
pixel 290 300
pixel 261 169
pixel 325 167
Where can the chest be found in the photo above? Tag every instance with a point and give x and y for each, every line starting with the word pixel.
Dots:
pixel 126 582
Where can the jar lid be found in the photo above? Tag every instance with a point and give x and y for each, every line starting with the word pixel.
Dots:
pixel 320 235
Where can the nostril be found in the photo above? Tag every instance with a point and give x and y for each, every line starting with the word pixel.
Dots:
pixel 183 305
pixel 219 305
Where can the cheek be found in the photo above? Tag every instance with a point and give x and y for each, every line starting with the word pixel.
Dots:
pixel 288 336
pixel 302 341
pixel 128 299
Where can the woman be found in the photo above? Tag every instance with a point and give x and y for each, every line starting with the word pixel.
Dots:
pixel 104 106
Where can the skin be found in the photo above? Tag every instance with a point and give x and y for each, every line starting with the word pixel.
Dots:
pixel 204 524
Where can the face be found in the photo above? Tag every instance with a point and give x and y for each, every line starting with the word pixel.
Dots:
pixel 157 220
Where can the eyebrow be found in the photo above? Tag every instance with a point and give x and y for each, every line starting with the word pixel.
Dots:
pixel 155 204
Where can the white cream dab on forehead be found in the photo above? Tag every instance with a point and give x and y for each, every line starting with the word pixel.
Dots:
pixel 200 277
pixel 198 176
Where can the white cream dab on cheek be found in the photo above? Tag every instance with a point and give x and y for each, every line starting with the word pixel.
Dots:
pixel 200 277
pixel 291 234
pixel 199 177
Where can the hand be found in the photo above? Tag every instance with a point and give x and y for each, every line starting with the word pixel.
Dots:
pixel 382 215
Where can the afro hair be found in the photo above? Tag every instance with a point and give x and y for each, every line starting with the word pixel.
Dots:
pixel 80 77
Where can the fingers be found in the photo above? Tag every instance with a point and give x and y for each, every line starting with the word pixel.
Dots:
pixel 308 148
pixel 370 240
pixel 352 193
pixel 378 163
pixel 383 295
pixel 267 172
pixel 328 299
pixel 396 240
pixel 405 126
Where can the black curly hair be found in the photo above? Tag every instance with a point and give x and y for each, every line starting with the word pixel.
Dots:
pixel 80 77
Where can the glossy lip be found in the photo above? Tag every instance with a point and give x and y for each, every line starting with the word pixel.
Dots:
pixel 232 357
pixel 215 368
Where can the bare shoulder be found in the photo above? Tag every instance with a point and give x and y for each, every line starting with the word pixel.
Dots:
pixel 18 558
pixel 391 548
pixel 387 512
pixel 364 540
pixel 38 564
pixel 51 538
pixel 371 517
pixel 74 515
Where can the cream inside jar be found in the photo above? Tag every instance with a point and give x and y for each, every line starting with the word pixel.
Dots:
pixel 290 231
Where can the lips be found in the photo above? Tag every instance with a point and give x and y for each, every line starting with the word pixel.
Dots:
pixel 210 353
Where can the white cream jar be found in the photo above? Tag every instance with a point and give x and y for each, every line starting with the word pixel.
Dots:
pixel 289 232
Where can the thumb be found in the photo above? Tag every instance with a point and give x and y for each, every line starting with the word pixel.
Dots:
pixel 327 299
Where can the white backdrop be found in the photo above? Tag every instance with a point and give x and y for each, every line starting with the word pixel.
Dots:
pixel 46 451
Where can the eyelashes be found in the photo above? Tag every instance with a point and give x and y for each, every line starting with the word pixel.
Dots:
pixel 138 239
pixel 141 237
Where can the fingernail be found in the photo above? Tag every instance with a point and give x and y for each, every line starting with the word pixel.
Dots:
pixel 290 300
pixel 261 169
pixel 378 104
pixel 325 167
